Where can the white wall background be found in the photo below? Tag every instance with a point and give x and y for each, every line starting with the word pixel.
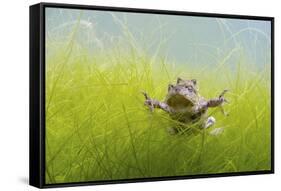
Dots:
pixel 14 38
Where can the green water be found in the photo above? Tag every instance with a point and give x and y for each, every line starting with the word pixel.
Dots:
pixel 97 127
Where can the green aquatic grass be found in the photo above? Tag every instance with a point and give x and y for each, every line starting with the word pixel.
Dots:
pixel 97 127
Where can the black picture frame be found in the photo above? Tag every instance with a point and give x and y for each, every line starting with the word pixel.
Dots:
pixel 37 93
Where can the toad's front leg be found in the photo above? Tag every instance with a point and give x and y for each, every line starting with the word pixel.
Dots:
pixel 217 101
pixel 153 103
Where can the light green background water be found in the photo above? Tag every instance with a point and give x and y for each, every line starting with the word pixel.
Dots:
pixel 197 40
pixel 97 63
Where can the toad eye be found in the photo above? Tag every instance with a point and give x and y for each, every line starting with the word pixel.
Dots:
pixel 189 88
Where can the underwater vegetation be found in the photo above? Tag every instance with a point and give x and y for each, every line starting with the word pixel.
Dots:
pixel 97 127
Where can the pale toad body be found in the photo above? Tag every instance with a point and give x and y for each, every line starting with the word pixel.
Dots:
pixel 184 104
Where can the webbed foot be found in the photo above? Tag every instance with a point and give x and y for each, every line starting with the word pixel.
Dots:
pixel 149 102
pixel 222 98
pixel 209 122
pixel 217 131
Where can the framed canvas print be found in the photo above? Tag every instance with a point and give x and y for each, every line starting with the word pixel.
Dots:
pixel 126 95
